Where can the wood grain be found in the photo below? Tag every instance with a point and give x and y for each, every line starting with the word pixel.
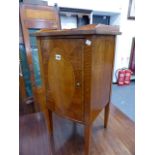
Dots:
pixel 34 138
pixel 62 78
pixel 77 73
pixel 101 73
pixel 68 138
pixel 90 29
pixel 34 17
pixel 42 14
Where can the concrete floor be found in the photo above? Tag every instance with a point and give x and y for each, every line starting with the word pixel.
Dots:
pixel 123 97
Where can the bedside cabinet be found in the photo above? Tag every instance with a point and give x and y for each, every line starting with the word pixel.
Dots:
pixel 76 68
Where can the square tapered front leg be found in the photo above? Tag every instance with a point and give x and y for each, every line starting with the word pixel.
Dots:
pixel 106 115
pixel 87 139
pixel 49 121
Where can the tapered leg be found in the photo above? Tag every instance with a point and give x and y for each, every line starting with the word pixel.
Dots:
pixel 106 115
pixel 87 139
pixel 74 128
pixel 49 123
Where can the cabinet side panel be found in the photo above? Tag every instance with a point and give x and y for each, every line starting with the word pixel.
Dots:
pixel 101 73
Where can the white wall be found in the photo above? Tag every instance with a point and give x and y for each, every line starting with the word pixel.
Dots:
pixel 111 7
pixel 123 42
pixel 99 5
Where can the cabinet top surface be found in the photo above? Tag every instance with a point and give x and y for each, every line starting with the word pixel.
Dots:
pixel 92 29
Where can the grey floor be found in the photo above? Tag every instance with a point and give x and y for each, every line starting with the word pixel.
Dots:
pixel 123 97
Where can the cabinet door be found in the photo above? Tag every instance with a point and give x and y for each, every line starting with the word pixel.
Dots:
pixel 63 71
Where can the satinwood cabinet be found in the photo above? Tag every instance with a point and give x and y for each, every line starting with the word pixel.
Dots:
pixel 76 67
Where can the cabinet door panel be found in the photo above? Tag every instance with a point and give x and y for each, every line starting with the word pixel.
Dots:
pixel 63 76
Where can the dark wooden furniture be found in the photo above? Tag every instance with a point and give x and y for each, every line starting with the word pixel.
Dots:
pixel 36 17
pixel 22 93
pixel 132 57
pixel 25 103
pixel 76 67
